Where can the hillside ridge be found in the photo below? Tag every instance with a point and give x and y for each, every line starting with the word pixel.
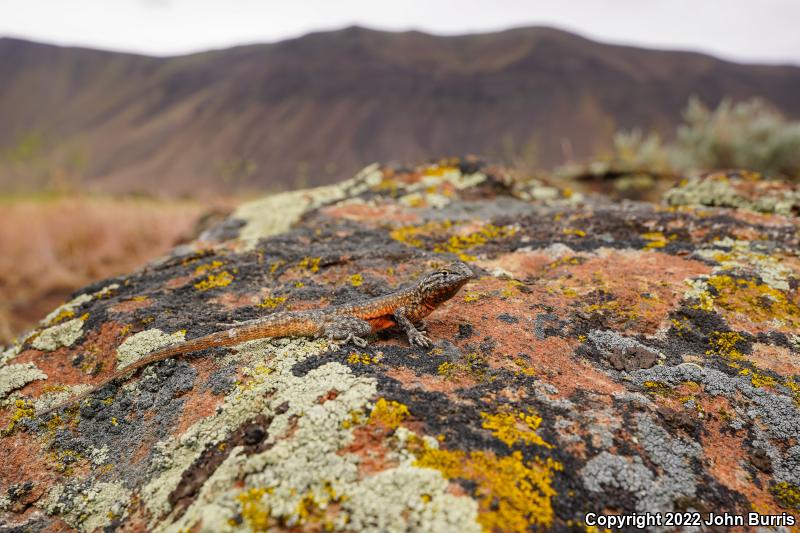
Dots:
pixel 313 109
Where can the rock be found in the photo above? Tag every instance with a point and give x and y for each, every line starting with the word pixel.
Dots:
pixel 623 353
pixel 738 189
pixel 620 356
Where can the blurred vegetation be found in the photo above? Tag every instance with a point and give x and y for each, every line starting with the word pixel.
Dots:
pixel 53 244
pixel 748 135
pixel 38 163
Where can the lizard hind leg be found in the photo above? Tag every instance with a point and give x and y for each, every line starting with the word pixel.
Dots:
pixel 348 329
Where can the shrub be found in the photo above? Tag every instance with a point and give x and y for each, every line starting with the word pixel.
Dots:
pixel 750 135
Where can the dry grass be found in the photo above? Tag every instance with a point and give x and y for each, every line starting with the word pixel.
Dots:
pixel 52 247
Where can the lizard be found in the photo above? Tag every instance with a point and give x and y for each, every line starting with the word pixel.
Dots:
pixel 350 322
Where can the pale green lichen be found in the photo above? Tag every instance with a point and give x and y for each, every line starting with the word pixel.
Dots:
pixel 88 509
pixel 438 175
pixel 60 335
pixel 408 498
pixel 421 199
pixel 794 340
pixel 9 354
pixel 719 191
pixel 68 309
pixel 747 281
pixel 53 397
pixel 738 255
pixel 304 470
pixel 140 344
pixel 16 376
pixel 175 455
pixel 277 213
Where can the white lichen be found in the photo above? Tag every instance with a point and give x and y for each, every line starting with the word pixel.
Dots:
pixel 88 509
pixel 16 376
pixel 70 306
pixel 739 256
pixel 58 336
pixel 305 464
pixel 408 498
pixel 140 344
pixel 9 354
pixel 66 308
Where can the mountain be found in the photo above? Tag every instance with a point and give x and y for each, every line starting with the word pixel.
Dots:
pixel 311 110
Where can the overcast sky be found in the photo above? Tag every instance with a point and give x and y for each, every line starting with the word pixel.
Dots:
pixel 744 30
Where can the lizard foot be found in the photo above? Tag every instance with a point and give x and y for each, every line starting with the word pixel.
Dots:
pixel 358 341
pixel 348 329
pixel 417 338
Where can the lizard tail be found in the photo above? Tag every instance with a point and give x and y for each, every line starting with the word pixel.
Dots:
pixel 282 325
pixel 222 338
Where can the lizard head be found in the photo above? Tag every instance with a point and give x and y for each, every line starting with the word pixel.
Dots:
pixel 442 284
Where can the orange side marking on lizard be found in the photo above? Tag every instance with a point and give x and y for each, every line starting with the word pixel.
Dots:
pixel 381 323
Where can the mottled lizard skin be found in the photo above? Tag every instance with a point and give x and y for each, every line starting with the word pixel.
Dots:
pixel 348 322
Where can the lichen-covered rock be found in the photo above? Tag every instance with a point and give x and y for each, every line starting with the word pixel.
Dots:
pixel 739 189
pixel 607 357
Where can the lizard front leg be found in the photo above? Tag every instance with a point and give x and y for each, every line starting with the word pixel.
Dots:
pixel 347 329
pixel 415 337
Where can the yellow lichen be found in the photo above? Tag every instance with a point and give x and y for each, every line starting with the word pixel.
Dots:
pixel 389 414
pixel 387 185
pixel 658 388
pixel 681 325
pixel 202 269
pixel 407 235
pixel 471 365
pixel 787 495
pixel 363 358
pixel 23 409
pixel 441 170
pixel 574 231
pixel 757 301
pixel 356 280
pixel 310 263
pixel 62 316
pixel 513 494
pixel 514 428
pixel 459 244
pixel 254 511
pixel 453 242
pixel 356 419
pixel 510 288
pixel 472 296
pixel 275 266
pixel 724 344
pixel 758 379
pixel 569 292
pixel 795 388
pixel 524 368
pixel 564 261
pixel 657 239
pixel 271 302
pixel 215 280
pixel 63 460
pixel 54 423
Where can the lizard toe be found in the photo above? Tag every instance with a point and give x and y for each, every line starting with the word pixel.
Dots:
pixel 420 340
